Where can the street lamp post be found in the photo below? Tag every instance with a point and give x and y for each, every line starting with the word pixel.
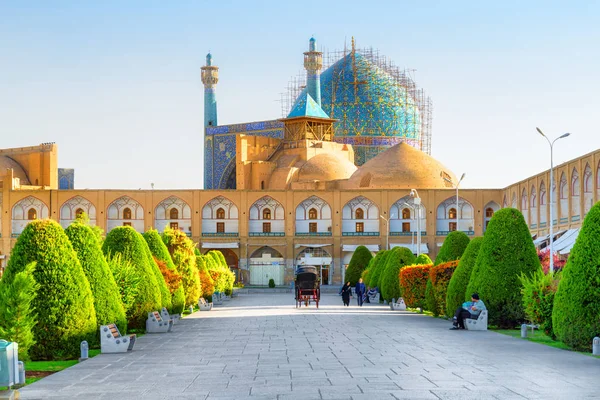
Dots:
pixel 417 202
pixel 551 143
pixel 459 181
pixel 387 221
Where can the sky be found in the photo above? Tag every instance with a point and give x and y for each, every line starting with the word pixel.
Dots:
pixel 117 84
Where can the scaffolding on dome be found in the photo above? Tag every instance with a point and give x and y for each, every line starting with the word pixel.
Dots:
pixel 415 97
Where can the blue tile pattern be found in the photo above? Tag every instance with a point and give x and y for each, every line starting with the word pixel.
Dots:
pixel 66 178
pixel 305 106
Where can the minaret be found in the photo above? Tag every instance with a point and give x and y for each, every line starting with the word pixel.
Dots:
pixel 210 77
pixel 313 63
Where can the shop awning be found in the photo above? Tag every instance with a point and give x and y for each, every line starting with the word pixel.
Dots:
pixel 540 240
pixel 352 247
pixel 227 245
pixel 412 247
pixel 565 240
pixel 313 245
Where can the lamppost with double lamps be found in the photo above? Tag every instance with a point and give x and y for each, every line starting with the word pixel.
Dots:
pixel 417 202
pixel 551 143
pixel 459 181
pixel 387 221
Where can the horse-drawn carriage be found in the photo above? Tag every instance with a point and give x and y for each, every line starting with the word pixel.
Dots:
pixel 307 286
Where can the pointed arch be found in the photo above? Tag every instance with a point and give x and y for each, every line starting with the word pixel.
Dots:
pixel 70 208
pixel 25 211
pixel 490 209
pixel 404 217
pixel 543 200
pixel 533 207
pixel 363 207
pixel 125 211
pixel 524 203
pixel 220 217
pixel 267 217
pixel 563 200
pixel 513 200
pixel 575 196
pixel 313 217
pixel 588 189
pixel 447 209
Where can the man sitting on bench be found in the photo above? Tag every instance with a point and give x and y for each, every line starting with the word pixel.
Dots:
pixel 469 309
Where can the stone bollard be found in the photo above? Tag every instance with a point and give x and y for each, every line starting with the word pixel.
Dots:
pixel 83 347
pixel 191 309
pixel 21 373
pixel 596 346
pixel 523 330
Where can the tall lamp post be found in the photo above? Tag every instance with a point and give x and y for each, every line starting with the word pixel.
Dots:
pixel 417 202
pixel 387 221
pixel 551 143
pixel 459 181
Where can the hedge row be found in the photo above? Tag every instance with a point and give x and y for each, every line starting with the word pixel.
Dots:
pixel 413 282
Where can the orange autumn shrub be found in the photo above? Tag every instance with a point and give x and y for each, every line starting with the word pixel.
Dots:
pixel 172 278
pixel 440 275
pixel 413 281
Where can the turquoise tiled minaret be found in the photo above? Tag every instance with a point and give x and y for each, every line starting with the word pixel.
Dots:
pixel 313 63
pixel 210 77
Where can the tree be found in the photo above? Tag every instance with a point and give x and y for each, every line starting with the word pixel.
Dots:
pixel 17 314
pixel 359 261
pixel 377 269
pixel 423 259
pixel 413 282
pixel 107 301
pixel 222 276
pixel 159 250
pixel 390 279
pixel 455 296
pixel 165 295
pixel 126 278
pixel 453 248
pixel 126 241
pixel 206 282
pixel 576 312
pixel 64 302
pixel 507 252
pixel 181 248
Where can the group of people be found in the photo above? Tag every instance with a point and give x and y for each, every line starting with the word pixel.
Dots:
pixel 362 295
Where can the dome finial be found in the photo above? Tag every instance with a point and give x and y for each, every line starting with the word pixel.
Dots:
pixel 208 59
pixel 353 48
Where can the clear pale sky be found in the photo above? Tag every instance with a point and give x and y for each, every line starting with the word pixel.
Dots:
pixel 117 84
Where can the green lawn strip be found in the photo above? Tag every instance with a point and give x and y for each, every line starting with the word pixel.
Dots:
pixel 540 337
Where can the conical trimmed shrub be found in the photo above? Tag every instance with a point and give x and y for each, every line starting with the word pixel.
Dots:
pixel 222 276
pixel 182 251
pixel 390 279
pixel 379 264
pixel 64 301
pixel 423 259
pixel 159 250
pixel 576 313
pixel 107 300
pixel 359 261
pixel 165 295
pixel 453 248
pixel 131 245
pixel 507 252
pixel 207 284
pixel 455 296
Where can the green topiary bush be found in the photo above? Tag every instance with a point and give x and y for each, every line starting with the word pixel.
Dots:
pixel 271 283
pixel 390 279
pixel 159 250
pixel 222 276
pixel 64 301
pixel 359 261
pixel 377 269
pixel 107 300
pixel 181 248
pixel 126 278
pixel 538 299
pixel 207 284
pixel 430 300
pixel 453 248
pixel 17 315
pixel 507 252
pixel 576 314
pixel 165 294
pixel 130 244
pixel 457 288
pixel 423 259
pixel 413 283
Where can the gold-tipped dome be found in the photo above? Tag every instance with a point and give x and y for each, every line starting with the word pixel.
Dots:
pixel 326 167
pixel 18 171
pixel 402 167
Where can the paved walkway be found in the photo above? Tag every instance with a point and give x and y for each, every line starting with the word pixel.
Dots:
pixel 261 347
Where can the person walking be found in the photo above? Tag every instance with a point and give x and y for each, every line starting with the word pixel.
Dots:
pixel 346 292
pixel 360 292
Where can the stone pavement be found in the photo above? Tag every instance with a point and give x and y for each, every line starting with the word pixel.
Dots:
pixel 259 346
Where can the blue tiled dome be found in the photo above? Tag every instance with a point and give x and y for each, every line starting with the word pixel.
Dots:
pixel 373 111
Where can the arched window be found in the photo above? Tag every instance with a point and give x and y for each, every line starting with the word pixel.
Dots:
pixel 405 213
pixel 489 212
pixel 452 213
pixel 262 185
pixel 127 213
pixel 575 186
pixel 312 213
pixel 266 213
pixel 174 213
pixel 562 189
pixel 542 194
pixel 587 180
pixel 359 214
pixel 221 213
pixel 524 200
pixel 32 214
pixel 78 212
pixel 532 202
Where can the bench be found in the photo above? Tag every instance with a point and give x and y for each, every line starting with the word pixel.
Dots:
pixel 111 340
pixel 216 297
pixel 155 324
pixel 374 298
pixel 225 297
pixel 164 313
pixel 399 305
pixel 203 305
pixel 479 324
